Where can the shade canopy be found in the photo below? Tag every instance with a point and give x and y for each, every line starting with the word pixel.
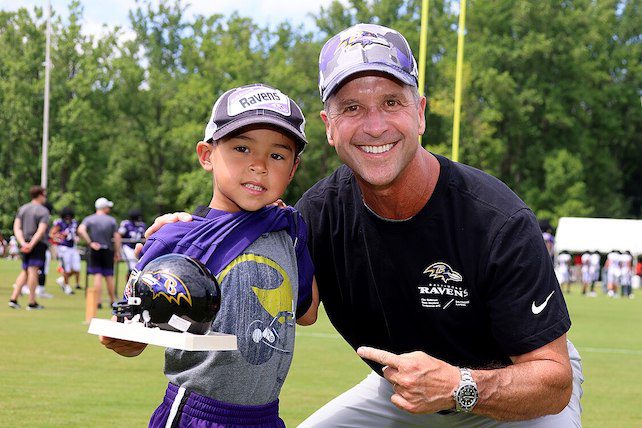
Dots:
pixel 579 234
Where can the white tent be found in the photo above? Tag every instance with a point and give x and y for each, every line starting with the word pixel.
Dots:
pixel 579 234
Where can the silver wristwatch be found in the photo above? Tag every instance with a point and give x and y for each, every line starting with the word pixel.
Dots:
pixel 465 395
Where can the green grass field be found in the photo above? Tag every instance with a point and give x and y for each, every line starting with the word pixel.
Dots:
pixel 54 374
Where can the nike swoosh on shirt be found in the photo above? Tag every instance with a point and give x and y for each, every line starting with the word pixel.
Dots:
pixel 539 308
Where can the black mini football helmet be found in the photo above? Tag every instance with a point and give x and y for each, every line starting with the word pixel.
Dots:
pixel 173 292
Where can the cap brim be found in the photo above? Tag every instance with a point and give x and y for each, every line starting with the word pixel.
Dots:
pixel 340 78
pixel 259 120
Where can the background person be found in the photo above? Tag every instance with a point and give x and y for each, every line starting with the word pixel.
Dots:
pixel 100 231
pixel 4 250
pixel 64 234
pixel 50 253
pixel 626 275
pixel 587 275
pixel 29 228
pixel 564 265
pixel 14 248
pixel 613 268
pixel 594 271
pixel 132 231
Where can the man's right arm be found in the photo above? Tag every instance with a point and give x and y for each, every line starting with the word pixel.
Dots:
pixel 82 232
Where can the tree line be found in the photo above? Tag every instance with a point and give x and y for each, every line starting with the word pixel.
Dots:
pixel 551 99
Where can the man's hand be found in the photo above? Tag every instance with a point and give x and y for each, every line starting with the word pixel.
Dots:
pixel 422 384
pixel 94 245
pixel 165 219
pixel 26 248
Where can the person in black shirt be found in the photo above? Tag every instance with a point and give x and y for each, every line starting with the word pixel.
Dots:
pixel 435 272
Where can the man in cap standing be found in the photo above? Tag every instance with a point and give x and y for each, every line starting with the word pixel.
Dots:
pixel 435 272
pixel 100 231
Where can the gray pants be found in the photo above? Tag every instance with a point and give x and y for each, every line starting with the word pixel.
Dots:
pixel 368 405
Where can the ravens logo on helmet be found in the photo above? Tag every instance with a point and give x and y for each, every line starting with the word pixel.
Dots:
pixel 173 292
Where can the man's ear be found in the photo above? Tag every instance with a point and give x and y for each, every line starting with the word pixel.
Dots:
pixel 328 132
pixel 204 152
pixel 421 111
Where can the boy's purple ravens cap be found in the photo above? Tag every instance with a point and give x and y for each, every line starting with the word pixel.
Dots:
pixel 365 47
pixel 256 104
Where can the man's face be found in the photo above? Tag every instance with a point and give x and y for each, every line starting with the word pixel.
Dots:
pixel 373 122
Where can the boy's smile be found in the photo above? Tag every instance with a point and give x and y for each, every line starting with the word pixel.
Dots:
pixel 250 169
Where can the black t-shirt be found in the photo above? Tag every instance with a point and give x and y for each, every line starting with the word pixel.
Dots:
pixel 466 280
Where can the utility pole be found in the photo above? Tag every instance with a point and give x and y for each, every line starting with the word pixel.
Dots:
pixel 45 119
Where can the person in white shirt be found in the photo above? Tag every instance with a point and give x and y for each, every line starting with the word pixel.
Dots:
pixel 563 270
pixel 626 272
pixel 594 271
pixel 587 275
pixel 613 272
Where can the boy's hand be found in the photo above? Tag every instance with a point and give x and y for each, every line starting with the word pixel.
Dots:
pixel 122 347
pixel 165 219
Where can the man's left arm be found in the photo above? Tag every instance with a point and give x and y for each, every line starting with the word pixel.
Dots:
pixel 537 384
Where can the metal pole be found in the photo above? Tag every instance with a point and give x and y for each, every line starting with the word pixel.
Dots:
pixel 45 119
pixel 458 72
pixel 422 49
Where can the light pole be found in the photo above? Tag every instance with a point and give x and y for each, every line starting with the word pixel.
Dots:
pixel 45 119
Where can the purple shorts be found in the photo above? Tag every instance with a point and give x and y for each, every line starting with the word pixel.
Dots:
pixel 36 257
pixel 189 409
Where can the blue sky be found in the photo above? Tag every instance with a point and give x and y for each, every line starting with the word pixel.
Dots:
pixel 114 12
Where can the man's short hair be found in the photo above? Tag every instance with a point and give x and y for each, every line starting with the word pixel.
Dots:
pixel 36 191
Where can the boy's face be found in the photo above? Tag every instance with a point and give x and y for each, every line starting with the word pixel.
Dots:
pixel 251 169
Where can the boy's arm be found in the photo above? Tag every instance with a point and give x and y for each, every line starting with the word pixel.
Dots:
pixel 310 317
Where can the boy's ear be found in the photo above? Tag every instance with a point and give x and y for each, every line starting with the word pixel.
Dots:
pixel 204 152
pixel 294 167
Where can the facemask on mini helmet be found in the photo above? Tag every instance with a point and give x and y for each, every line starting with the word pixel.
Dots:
pixel 173 292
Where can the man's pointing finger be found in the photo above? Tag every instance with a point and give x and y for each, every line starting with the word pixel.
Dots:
pixel 380 356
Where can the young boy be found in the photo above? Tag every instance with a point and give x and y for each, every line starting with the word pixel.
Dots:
pixel 259 255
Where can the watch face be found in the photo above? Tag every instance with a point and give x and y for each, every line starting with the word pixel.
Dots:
pixel 467 396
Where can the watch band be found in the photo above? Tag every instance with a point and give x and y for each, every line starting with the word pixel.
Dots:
pixel 466 394
pixel 466 375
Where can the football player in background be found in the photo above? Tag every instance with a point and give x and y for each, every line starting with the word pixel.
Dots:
pixel 132 232
pixel 258 253
pixel 63 233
